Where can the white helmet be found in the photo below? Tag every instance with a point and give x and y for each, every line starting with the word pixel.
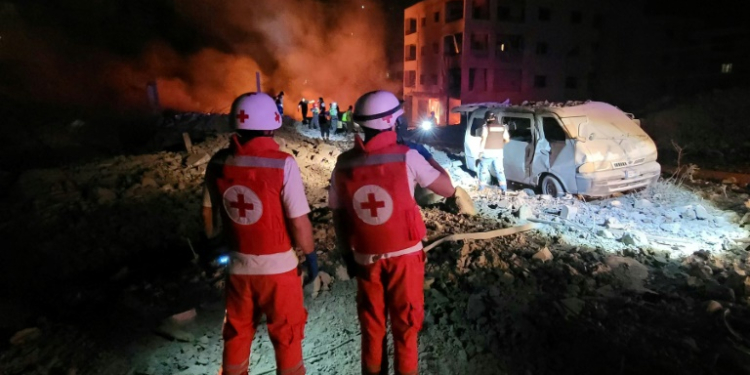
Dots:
pixel 255 111
pixel 377 110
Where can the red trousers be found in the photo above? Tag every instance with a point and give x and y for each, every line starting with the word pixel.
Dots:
pixel 393 287
pixel 280 298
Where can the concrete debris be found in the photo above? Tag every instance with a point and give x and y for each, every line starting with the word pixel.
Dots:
pixel 630 272
pixel 604 233
pixel 544 255
pixel 573 306
pixel 614 223
pixel 183 317
pixel 147 181
pixel 635 238
pixel 671 227
pixel 105 196
pixel 701 213
pixel 713 307
pixel 342 274
pixel 643 204
pixel 174 332
pixel 325 280
pixel 524 213
pixel 568 212
pixel 195 160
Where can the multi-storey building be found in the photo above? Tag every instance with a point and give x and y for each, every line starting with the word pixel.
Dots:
pixel 466 51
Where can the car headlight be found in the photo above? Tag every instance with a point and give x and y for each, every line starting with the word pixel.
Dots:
pixel 592 167
pixel 426 125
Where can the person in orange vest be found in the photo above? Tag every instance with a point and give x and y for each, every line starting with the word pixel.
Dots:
pixel 257 192
pixel 379 230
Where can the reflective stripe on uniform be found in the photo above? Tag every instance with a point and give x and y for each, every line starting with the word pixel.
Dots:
pixel 269 264
pixel 367 259
pixel 254 161
pixel 368 160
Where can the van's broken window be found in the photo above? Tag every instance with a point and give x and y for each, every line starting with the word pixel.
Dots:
pixel 552 130
pixel 519 127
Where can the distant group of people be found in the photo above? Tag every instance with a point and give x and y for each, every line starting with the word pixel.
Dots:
pixel 326 119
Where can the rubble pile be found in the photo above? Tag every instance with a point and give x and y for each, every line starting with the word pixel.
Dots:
pixel 655 280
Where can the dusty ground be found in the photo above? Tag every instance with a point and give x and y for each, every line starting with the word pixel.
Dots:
pixel 100 258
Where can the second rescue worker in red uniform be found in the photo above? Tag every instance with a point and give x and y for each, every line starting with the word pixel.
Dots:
pixel 379 228
pixel 259 193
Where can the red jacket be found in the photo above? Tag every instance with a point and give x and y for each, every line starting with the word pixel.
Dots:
pixel 372 180
pixel 250 186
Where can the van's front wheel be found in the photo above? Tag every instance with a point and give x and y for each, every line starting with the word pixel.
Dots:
pixel 550 185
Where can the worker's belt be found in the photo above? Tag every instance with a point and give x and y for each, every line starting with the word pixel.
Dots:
pixel 269 264
pixel 368 259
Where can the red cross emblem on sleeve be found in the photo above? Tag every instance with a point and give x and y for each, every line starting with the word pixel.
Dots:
pixel 373 204
pixel 242 205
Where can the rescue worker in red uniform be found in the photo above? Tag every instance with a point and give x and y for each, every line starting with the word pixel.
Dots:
pixel 379 230
pixel 257 192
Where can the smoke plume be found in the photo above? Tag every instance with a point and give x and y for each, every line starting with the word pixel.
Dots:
pixel 202 53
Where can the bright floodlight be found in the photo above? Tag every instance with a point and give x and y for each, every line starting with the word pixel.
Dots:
pixel 426 125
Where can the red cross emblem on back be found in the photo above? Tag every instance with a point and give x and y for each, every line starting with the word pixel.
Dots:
pixel 241 206
pixel 372 204
pixel 242 116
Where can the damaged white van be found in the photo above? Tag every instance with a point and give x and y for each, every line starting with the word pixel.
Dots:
pixel 590 148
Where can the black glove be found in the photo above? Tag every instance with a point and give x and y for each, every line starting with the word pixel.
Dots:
pixel 312 267
pixel 351 265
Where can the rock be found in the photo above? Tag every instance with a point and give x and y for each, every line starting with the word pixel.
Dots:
pixel 313 288
pixel 672 215
pixel 342 274
pixel 149 182
pixel 568 212
pixel 325 280
pixel 613 223
pixel 572 306
pixel 172 331
pixel 635 238
pixel 720 292
pixel 195 160
pixel 25 336
pixel 701 213
pixel 475 308
pixel 105 196
pixel 643 203
pixel 615 203
pixel 527 192
pixel 729 180
pixel 713 307
pixel 604 233
pixel 428 283
pixel 670 227
pixel 183 317
pixel 524 213
pixel 545 197
pixel 630 272
pixel 544 255
pixel 689 214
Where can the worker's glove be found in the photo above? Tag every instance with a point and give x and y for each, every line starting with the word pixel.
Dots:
pixel 312 267
pixel 351 264
pixel 461 202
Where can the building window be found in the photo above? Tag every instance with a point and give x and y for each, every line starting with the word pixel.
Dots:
pixel 410 52
pixel 575 51
pixel 422 51
pixel 508 14
pixel 424 21
pixel 480 9
pixel 453 44
pixel 410 78
pixel 545 14
pixel 509 47
pixel 421 79
pixel 507 80
pixel 480 42
pixel 571 82
pixel 437 16
pixel 410 26
pixel 726 68
pixel 434 79
pixel 540 81
pixel 541 48
pixel 576 17
pixel 435 47
pixel 454 11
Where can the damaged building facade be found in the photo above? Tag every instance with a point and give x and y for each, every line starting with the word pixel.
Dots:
pixel 491 50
